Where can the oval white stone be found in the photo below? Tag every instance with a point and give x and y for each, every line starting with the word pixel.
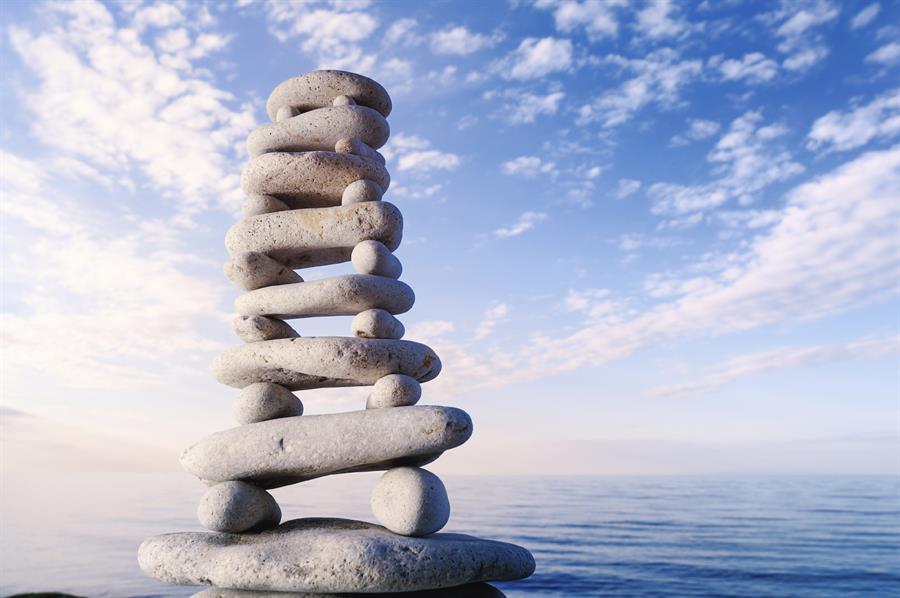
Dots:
pixel 251 270
pixel 319 88
pixel 411 501
pixel 264 401
pixel 253 329
pixel 372 257
pixel 360 192
pixel 394 390
pixel 262 204
pixel 377 323
pixel 235 507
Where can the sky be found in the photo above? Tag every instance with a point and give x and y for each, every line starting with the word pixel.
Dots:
pixel 645 237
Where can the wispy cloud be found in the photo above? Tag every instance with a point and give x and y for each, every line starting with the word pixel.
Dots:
pixel 526 222
pixel 535 58
pixel 842 131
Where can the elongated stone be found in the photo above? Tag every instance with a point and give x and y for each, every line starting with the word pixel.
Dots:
pixel 251 270
pixel 324 362
pixel 285 451
pixel 236 507
pixel 331 555
pixel 316 236
pixel 253 329
pixel 319 88
pixel 309 179
pixel 337 296
pixel 474 590
pixel 319 130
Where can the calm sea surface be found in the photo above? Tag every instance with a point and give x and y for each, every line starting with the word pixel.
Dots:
pixel 604 536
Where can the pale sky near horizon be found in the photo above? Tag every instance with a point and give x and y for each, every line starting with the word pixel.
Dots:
pixel 644 237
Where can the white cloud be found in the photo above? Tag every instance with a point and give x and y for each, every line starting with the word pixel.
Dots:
pixel 416 191
pixel 460 41
pixel 529 167
pixel 157 15
pixel 797 28
pixel 426 160
pixel 865 16
pixel 596 17
pixel 627 188
pixel 698 129
pixel 493 315
pixel 402 32
pixel 526 222
pixel 879 119
pixel 526 107
pixel 536 58
pixel 804 58
pixel 659 19
pixel 658 79
pixel 888 54
pixel 753 67
pixel 756 364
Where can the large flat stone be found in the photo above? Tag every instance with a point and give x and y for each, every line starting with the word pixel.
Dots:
pixel 320 129
pixel 331 555
pixel 345 295
pixel 325 362
pixel 285 451
pixel 316 236
pixel 473 590
pixel 319 88
pixel 309 179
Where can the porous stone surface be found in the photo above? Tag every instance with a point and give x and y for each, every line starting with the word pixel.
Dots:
pixel 251 270
pixel 314 237
pixel 262 204
pixel 253 329
pixel 285 451
pixel 264 401
pixel 309 179
pixel 324 362
pixel 236 507
pixel 377 323
pixel 361 192
pixel 411 501
pixel 320 88
pixel 337 296
pixel 320 129
pixel 472 590
pixel 373 257
pixel 331 555
pixel 394 390
pixel 355 146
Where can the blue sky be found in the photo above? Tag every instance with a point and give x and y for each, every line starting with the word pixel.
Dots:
pixel 645 237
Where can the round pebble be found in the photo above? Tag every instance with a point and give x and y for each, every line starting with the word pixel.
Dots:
pixel 394 390
pixel 286 112
pixel 262 204
pixel 372 257
pixel 235 507
pixel 343 101
pixel 360 191
pixel 264 401
pixel 377 323
pixel 411 501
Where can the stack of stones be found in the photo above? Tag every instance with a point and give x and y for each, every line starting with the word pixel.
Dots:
pixel 314 189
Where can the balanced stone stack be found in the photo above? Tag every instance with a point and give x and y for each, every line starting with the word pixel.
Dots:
pixel 314 189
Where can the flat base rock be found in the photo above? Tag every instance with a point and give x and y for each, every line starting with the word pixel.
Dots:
pixel 331 555
pixel 474 590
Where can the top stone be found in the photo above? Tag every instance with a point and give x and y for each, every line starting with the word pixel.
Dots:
pixel 319 88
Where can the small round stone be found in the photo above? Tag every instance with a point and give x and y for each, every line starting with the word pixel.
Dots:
pixel 343 101
pixel 411 501
pixel 372 257
pixel 253 329
pixel 394 390
pixel 286 112
pixel 235 507
pixel 377 323
pixel 264 401
pixel 361 191
pixel 262 204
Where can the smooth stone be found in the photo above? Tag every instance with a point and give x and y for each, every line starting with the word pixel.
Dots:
pixel 373 257
pixel 286 112
pixel 252 270
pixel 319 88
pixel 254 329
pixel 235 507
pixel 394 390
pixel 324 362
pixel 336 296
pixel 475 590
pixel 361 192
pixel 289 450
pixel 411 501
pixel 343 101
pixel 264 401
pixel 262 204
pixel 331 555
pixel 377 323
pixel 357 147
pixel 320 130
pixel 316 236
pixel 309 179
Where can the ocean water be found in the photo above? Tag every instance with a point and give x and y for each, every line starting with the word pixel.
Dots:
pixel 591 536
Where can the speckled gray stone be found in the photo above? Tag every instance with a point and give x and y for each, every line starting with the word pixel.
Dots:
pixel 394 390
pixel 324 362
pixel 373 257
pixel 317 236
pixel 411 501
pixel 309 179
pixel 320 130
pixel 251 270
pixel 360 192
pixel 331 555
pixel 357 147
pixel 285 451
pixel 337 296
pixel 474 590
pixel 377 323
pixel 253 329
pixel 236 507
pixel 262 204
pixel 319 88
pixel 264 401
